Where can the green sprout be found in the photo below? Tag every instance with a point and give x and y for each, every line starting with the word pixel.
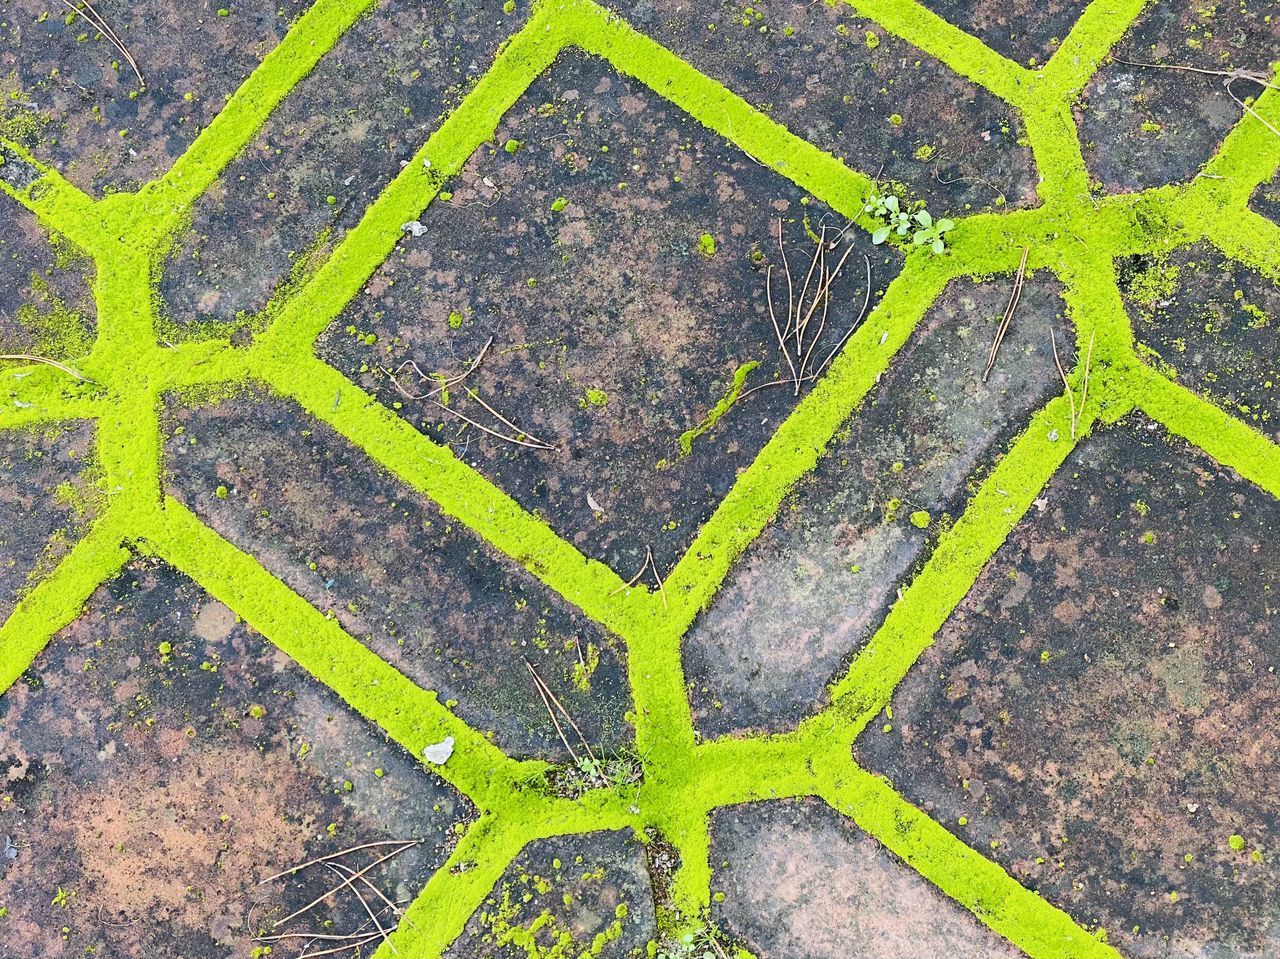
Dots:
pixel 924 229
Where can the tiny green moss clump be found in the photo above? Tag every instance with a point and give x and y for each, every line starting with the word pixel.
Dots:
pixel 594 397
pixel 707 245
pixel 920 519
pixel 512 146
pixel 558 204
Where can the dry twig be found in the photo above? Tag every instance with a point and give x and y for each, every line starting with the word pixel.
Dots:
pixel 1228 77
pixel 345 883
pixel 548 698
pixel 47 362
pixel 1084 392
pixel 97 21
pixel 1009 310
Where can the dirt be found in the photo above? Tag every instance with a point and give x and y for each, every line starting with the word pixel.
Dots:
pixel 797 879
pixel 1212 321
pixel 328 151
pixel 1097 708
pixel 72 98
pixel 613 332
pixel 148 792
pixel 810 592
pixel 46 502
pixel 417 588
pixel 1143 126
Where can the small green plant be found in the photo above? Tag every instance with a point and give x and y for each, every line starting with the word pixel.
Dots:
pixel 887 209
pixel 924 229
pixel 930 232
pixel 702 943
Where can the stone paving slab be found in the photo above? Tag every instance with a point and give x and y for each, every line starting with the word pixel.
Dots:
pixel 541 480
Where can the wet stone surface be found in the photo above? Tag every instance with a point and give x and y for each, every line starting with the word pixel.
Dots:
pixel 71 98
pixel 1025 32
pixel 1267 199
pixel 328 151
pixel 46 497
pixel 813 588
pixel 1099 709
pixel 800 881
pixel 1214 321
pixel 566 897
pixel 1143 126
pixel 161 759
pixel 617 259
pixel 46 301
pixel 419 589
pixel 843 84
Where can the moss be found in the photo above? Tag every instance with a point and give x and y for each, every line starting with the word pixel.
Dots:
pixel 1070 234
pixel 722 407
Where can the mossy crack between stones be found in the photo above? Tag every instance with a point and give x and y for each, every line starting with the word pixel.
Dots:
pixel 1071 234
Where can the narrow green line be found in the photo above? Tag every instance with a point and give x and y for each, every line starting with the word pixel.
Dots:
pixel 455 487
pixel 1097 30
pixel 599 32
pixel 1055 144
pixel 942 40
pixel 60 597
pixel 1039 929
pixel 36 393
pixel 307 41
pixel 1252 239
pixel 59 206
pixel 1230 442
pixel 412 716
pixel 444 155
pixel 961 553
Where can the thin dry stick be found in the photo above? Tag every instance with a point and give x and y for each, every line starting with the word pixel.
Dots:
pixel 364 881
pixel 1071 396
pixel 1084 391
pixel 795 320
pixel 560 706
pixel 802 326
pixel 337 949
pixel 634 579
pixel 444 383
pixel 1258 116
pixel 653 564
pixel 314 936
pixel 519 430
pixel 866 303
pixel 376 924
pixel 97 21
pixel 494 433
pixel 346 882
pixel 782 340
pixel 1009 310
pixel 1236 74
pixel 1229 77
pixel 786 268
pixel 338 855
pixel 47 362
pixel 537 684
pixel 826 293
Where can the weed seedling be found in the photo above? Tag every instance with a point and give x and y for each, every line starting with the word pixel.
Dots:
pixel 924 229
